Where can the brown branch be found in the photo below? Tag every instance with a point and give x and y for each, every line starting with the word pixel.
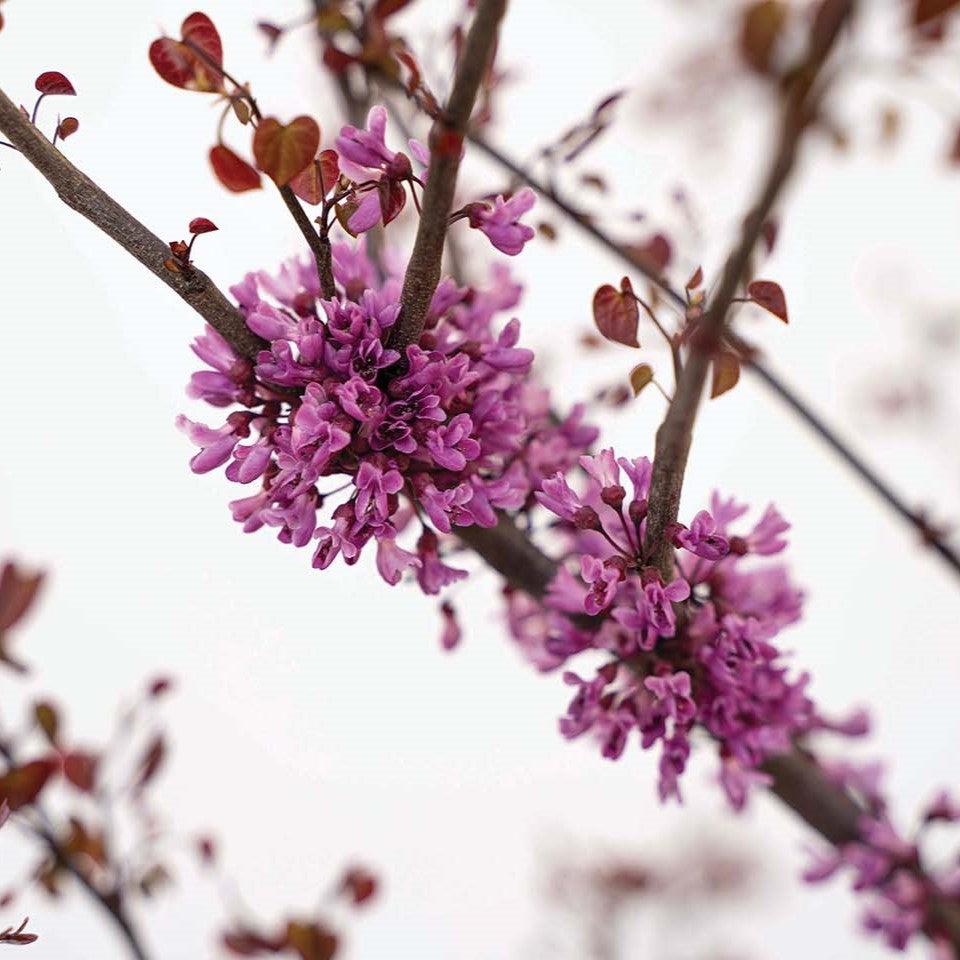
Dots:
pixel 80 193
pixel 798 781
pixel 446 137
pixel 676 431
pixel 319 245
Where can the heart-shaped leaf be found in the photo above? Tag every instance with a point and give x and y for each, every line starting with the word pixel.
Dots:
pixel 232 171
pixel 54 83
pixel 193 62
pixel 640 376
pixel 769 295
pixel 616 315
pixel 284 150
pixel 47 720
pixel 726 373
pixel 318 179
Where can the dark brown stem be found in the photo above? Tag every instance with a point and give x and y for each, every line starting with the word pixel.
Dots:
pixel 319 246
pixel 446 138
pixel 80 193
pixel 676 431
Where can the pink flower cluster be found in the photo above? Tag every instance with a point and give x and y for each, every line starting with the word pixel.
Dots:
pixel 886 867
pixel 451 434
pixel 668 668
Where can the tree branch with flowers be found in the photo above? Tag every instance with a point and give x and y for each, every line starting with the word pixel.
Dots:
pixel 374 405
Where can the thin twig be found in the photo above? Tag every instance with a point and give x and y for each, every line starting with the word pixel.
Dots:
pixel 446 139
pixel 80 193
pixel 676 431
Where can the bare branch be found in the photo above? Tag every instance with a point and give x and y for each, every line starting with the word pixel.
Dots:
pixel 446 138
pixel 80 193
pixel 676 431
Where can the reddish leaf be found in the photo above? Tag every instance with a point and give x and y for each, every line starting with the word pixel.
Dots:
pixel 392 198
pixel 318 179
pixel 198 29
pixel 67 127
pixel 616 315
pixel 232 171
pixel 22 785
pixel 151 762
pixel 925 10
pixel 192 62
pixel 655 254
pixel 244 942
pixel 180 250
pixel 769 295
pixel 640 376
pixel 283 151
pixel 81 769
pixel 359 884
pixel 202 225
pixel 726 373
pixel 695 280
pixel 54 83
pixel 47 719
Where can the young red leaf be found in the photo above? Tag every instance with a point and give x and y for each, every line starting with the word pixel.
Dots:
pixel 655 254
pixel 318 179
pixel 640 376
pixel 726 373
pixel 67 127
pixel 616 315
pixel 283 151
pixel 695 280
pixel 179 62
pixel 22 785
pixel 769 295
pixel 198 30
pixel 308 184
pixel 392 198
pixel 232 171
pixel 81 769
pixel 10 935
pixel 18 591
pixel 54 83
pixel 313 941
pixel 202 225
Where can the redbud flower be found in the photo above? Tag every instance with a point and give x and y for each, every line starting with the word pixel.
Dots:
pixel 500 221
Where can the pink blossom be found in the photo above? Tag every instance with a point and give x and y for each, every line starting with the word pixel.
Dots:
pixel 500 221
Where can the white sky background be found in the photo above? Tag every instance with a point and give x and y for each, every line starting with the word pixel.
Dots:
pixel 316 719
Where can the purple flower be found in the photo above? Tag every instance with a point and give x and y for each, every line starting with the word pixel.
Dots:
pixel 450 635
pixel 672 693
pixel 215 445
pixel 392 561
pixel 701 538
pixel 604 578
pixel 501 221
pixel 374 487
pixel 452 445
